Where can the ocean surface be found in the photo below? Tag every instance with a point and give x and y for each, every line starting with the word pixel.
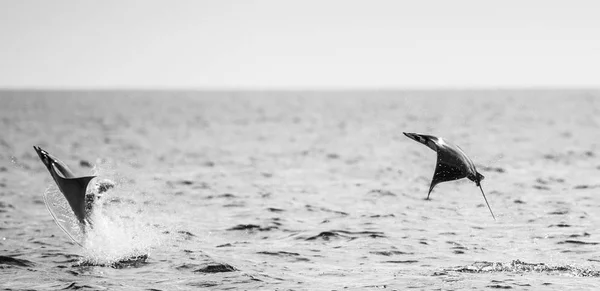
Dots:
pixel 304 190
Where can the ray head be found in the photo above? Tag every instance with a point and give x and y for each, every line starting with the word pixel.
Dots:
pixel 53 164
pixel 429 140
pixel 44 156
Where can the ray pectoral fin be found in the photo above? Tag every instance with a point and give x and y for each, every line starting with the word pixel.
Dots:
pixel 74 191
pixel 430 189
pixel 446 172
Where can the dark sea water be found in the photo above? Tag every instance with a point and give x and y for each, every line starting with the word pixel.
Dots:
pixel 304 191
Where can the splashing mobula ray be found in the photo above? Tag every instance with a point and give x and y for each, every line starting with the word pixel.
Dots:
pixel 452 163
pixel 74 190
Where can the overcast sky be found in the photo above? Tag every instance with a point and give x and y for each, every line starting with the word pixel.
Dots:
pixel 299 44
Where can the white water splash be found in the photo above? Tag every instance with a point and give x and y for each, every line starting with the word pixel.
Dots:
pixel 122 220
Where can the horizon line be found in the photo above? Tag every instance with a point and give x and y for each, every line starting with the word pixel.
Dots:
pixel 294 89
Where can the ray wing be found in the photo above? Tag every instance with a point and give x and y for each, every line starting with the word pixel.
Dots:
pixel 448 168
pixel 74 191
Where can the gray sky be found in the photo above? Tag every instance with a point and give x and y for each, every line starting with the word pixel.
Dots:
pixel 299 44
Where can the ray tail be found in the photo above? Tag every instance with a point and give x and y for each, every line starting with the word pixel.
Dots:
pixel 486 202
